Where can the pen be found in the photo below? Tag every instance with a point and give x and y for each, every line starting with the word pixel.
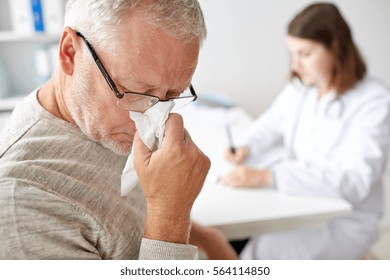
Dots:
pixel 230 139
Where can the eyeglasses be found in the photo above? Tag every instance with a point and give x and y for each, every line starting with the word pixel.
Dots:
pixel 139 102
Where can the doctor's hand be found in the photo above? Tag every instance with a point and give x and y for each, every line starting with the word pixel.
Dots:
pixel 239 156
pixel 212 242
pixel 247 177
pixel 171 178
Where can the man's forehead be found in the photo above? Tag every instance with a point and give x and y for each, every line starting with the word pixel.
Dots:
pixel 157 55
pixel 146 55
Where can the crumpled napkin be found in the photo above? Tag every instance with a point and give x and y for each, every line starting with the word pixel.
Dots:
pixel 150 126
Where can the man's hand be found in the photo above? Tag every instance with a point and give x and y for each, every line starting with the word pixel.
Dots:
pixel 212 242
pixel 171 179
pixel 244 176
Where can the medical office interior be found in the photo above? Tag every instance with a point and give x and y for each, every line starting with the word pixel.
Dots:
pixel 243 63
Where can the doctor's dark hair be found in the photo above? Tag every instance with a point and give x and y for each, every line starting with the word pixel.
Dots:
pixel 323 23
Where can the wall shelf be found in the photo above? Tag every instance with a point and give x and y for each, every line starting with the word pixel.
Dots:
pixel 12 37
pixel 27 59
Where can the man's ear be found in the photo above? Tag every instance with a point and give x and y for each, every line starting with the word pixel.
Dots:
pixel 69 44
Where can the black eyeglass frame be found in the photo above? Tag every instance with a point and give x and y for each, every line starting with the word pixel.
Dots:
pixel 114 88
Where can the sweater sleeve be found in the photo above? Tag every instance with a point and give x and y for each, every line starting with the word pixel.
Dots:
pixel 37 224
pixel 159 250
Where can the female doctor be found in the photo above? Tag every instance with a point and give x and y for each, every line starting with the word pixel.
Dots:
pixel 334 124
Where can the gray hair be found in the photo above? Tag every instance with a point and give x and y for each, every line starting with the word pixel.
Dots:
pixel 97 19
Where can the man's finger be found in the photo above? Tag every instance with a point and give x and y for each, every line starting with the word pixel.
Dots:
pixel 141 151
pixel 174 129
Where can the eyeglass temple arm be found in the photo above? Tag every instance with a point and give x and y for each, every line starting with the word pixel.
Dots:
pixel 101 67
pixel 193 92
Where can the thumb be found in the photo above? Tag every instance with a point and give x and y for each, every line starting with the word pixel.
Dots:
pixel 141 152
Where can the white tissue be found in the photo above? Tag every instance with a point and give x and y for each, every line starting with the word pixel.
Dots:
pixel 150 126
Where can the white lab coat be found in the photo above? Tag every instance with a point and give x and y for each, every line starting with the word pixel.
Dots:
pixel 334 146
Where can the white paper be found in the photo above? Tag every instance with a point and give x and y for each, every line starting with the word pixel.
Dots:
pixel 150 126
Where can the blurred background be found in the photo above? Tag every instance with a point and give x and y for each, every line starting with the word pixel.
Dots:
pixel 245 57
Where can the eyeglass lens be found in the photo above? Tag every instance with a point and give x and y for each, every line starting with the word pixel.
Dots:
pixel 141 103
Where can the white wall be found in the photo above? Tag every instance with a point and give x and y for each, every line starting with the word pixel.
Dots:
pixel 245 56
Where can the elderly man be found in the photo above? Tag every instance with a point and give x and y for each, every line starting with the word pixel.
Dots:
pixel 65 146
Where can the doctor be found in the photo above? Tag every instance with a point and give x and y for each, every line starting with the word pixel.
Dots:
pixel 334 125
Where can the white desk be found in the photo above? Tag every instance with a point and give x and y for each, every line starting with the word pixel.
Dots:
pixel 241 213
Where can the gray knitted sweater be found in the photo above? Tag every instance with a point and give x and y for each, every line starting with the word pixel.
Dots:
pixel 60 195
